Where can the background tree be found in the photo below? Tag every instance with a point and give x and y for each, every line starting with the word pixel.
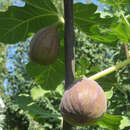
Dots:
pixel 91 57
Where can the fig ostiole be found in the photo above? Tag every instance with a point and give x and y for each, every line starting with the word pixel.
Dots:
pixel 83 103
pixel 45 45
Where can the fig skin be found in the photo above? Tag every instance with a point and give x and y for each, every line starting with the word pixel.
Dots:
pixel 83 103
pixel 44 46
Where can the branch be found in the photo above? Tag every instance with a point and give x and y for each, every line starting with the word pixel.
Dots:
pixel 127 56
pixel 69 43
pixel 110 70
pixel 69 49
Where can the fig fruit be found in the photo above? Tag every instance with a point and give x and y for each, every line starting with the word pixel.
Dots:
pixel 83 103
pixel 44 46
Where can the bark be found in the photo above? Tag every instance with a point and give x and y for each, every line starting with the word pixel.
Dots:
pixel 127 56
pixel 69 49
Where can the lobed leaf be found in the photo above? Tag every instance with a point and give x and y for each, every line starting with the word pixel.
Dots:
pixel 116 3
pixel 49 77
pixel 122 30
pixel 26 103
pixel 114 122
pixel 111 122
pixel 92 24
pixel 17 22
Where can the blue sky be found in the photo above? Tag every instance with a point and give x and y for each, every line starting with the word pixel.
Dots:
pixel 94 1
pixel 21 3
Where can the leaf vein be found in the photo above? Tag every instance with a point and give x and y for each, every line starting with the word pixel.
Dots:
pixel 25 21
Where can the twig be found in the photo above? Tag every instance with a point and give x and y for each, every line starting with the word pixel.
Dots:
pixel 127 56
pixel 110 70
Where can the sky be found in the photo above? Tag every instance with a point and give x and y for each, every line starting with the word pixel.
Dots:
pixel 21 3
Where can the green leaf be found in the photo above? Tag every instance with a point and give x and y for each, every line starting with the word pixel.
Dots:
pixel 104 35
pixel 112 122
pixel 49 77
pixel 18 22
pixel 108 82
pixel 110 2
pixel 38 92
pixel 128 17
pixel 116 3
pixel 26 103
pixel 122 30
pixel 81 66
pixel 125 122
pixel 92 24
pixel 96 68
pixel 60 89
pixel 109 93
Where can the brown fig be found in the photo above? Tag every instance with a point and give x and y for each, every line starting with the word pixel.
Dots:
pixel 83 103
pixel 44 47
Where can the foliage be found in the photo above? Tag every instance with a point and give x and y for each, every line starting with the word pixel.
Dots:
pixel 42 75
pixel 98 57
pixel 21 22
pixel 42 91
pixel 83 45
pixel 92 24
pixel 4 4
pixel 14 117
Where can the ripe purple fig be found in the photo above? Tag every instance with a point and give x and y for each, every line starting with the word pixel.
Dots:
pixel 44 47
pixel 83 103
